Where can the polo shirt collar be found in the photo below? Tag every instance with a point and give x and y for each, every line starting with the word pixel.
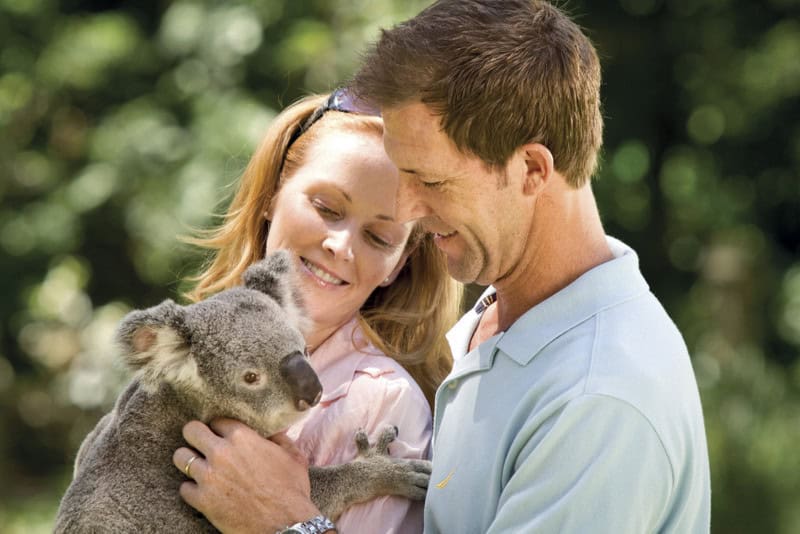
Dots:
pixel 595 290
pixel 460 334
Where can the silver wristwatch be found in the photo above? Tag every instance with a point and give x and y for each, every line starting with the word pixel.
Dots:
pixel 315 525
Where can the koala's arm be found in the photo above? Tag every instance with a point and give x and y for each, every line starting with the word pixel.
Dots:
pixel 102 425
pixel 372 474
pixel 90 439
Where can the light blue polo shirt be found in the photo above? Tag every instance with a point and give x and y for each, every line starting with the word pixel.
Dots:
pixel 584 416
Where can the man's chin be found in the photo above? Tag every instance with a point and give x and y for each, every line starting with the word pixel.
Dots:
pixel 464 271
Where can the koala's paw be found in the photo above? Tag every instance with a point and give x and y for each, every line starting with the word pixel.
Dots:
pixel 394 476
pixel 387 436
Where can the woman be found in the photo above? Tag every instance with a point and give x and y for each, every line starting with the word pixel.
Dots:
pixel 376 292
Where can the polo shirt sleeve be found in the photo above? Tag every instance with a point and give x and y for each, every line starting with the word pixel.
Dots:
pixel 596 465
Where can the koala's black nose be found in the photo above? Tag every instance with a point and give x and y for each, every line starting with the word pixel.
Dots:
pixel 302 380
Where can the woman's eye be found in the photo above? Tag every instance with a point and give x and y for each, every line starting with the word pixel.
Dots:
pixel 324 210
pixel 379 241
pixel 251 378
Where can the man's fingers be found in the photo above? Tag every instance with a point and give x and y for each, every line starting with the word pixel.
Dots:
pixel 190 462
pixel 287 444
pixel 284 441
pixel 200 437
pixel 228 428
pixel 239 477
pixel 190 492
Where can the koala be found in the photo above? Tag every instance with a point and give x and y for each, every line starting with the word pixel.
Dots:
pixel 239 354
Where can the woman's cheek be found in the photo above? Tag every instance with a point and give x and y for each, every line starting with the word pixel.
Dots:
pixel 387 266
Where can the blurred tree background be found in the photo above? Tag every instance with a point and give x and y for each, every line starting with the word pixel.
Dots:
pixel 123 124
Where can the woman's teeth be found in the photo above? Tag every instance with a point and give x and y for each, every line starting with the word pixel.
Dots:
pixel 322 275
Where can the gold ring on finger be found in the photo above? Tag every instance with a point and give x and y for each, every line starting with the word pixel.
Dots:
pixel 188 465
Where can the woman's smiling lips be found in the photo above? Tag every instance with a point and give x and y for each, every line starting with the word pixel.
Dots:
pixel 321 274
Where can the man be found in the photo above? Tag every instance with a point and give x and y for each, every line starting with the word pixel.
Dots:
pixel 572 405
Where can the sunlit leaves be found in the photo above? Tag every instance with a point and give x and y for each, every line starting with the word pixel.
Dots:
pixel 789 318
pixel 84 48
pixel 706 124
pixel 16 91
pixel 121 129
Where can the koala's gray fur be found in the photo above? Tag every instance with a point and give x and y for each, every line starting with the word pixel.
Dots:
pixel 238 354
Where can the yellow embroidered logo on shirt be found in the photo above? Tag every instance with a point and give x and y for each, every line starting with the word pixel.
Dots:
pixel 446 480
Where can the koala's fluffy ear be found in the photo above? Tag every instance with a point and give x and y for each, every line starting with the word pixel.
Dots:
pixel 274 275
pixel 155 342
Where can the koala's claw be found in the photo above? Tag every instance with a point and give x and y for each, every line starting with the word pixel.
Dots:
pixel 362 442
pixel 386 437
pixel 371 474
pixel 409 477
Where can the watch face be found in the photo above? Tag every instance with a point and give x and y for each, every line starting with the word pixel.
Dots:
pixel 313 526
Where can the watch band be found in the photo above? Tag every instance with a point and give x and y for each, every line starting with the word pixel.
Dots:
pixel 315 525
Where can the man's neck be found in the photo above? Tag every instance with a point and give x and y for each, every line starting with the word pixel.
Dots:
pixel 566 240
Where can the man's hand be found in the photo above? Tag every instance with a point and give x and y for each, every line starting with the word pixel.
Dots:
pixel 242 482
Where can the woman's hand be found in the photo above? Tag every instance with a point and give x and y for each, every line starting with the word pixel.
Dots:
pixel 242 482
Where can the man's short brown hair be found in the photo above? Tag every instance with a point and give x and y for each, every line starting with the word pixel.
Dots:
pixel 499 73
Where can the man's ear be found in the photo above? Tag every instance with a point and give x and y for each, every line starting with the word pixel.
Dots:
pixel 155 343
pixel 539 167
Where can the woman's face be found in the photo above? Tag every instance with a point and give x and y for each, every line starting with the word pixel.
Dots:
pixel 336 214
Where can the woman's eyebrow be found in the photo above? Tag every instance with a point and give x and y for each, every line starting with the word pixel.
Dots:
pixel 349 199
pixel 340 191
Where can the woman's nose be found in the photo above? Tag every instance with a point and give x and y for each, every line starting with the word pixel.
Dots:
pixel 339 243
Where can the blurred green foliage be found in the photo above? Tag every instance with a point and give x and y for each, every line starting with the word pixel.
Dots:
pixel 123 124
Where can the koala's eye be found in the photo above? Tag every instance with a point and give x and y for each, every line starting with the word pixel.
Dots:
pixel 251 378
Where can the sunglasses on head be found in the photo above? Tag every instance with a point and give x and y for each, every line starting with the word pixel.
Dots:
pixel 340 100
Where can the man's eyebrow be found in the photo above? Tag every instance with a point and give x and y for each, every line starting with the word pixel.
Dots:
pixel 385 218
pixel 420 174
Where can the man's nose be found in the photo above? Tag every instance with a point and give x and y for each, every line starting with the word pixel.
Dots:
pixel 340 243
pixel 410 200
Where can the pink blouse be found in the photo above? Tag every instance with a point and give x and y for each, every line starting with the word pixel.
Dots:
pixel 363 388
